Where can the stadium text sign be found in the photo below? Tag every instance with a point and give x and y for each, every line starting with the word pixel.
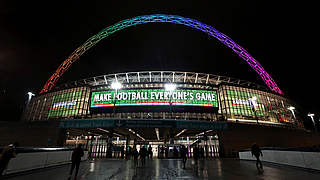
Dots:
pixel 154 97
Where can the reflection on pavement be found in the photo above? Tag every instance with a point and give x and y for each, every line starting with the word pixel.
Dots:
pixel 157 169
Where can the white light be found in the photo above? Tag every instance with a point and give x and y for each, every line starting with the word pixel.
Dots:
pixel 310 115
pixel 291 108
pixel 103 130
pixel 180 132
pixel 170 87
pixel 116 85
pixel 31 94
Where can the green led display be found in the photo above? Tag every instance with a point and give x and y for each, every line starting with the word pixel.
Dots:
pixel 245 103
pixel 65 104
pixel 154 97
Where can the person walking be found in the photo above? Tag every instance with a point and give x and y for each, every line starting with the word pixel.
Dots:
pixel 162 152
pixel 175 152
pixel 76 159
pixel 256 151
pixel 183 153
pixel 135 156
pixel 196 154
pixel 143 153
pixel 166 152
pixel 150 153
pixel 8 153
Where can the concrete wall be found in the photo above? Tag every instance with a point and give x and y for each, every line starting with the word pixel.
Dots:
pixel 36 160
pixel 37 134
pixel 242 136
pixel 309 160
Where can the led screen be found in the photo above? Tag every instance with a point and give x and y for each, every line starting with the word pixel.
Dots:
pixel 154 97
pixel 245 103
pixel 65 104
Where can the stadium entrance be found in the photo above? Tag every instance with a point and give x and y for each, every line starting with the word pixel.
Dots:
pixel 111 138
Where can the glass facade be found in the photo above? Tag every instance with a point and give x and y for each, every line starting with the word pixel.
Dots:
pixel 250 104
pixel 67 103
pixel 234 104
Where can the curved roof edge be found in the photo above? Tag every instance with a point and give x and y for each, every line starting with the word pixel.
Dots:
pixel 161 77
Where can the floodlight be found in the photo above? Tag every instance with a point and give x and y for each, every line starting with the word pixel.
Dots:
pixel 291 108
pixel 170 87
pixel 116 85
pixel 311 115
pixel 30 94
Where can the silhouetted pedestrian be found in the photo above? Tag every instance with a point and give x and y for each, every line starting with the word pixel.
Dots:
pixel 196 154
pixel 135 156
pixel 8 152
pixel 150 153
pixel 161 152
pixel 256 151
pixel 166 152
pixel 183 153
pixel 175 152
pixel 201 151
pixel 122 152
pixel 143 153
pixel 76 159
pixel 129 153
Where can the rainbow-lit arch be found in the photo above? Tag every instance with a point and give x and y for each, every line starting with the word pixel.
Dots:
pixel 161 18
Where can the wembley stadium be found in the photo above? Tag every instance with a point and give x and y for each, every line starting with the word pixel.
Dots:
pixel 164 109
pixel 158 108
pixel 164 95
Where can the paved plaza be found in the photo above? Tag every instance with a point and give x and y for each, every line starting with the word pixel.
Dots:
pixel 160 169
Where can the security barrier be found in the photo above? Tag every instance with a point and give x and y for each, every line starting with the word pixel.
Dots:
pixel 35 158
pixel 303 159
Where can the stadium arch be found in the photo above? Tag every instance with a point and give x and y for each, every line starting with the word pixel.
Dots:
pixel 162 18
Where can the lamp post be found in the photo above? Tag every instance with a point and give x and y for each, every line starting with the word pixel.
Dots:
pixel 116 86
pixel 311 116
pixel 291 108
pixel 30 94
pixel 170 88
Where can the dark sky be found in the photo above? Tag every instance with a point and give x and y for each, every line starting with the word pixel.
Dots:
pixel 36 37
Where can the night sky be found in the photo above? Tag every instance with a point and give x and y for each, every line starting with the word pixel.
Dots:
pixel 36 37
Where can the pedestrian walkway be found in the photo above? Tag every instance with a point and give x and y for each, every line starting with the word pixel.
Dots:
pixel 160 169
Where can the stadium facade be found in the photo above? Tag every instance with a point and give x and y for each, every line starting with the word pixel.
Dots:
pixel 196 96
pixel 167 108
